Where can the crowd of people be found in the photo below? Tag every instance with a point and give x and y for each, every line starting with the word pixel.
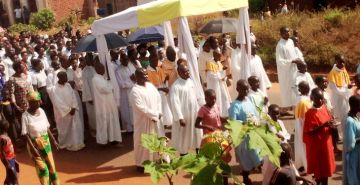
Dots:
pixel 50 95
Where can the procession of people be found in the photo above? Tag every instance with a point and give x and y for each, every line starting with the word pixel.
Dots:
pixel 51 96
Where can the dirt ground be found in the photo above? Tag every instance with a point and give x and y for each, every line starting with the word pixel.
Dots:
pixel 95 165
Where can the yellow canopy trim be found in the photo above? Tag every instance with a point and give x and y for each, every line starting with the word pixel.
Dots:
pixel 161 11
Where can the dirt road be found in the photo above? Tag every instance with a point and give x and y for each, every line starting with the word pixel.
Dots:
pixel 95 165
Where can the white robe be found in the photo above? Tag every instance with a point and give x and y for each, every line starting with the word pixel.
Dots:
pixel 299 54
pixel 9 71
pixel 123 74
pixel 235 64
pixel 78 79
pixel 203 58
pixel 216 81
pixel 299 145
pixel 285 54
pixel 185 106
pixel 87 94
pixel 112 68
pixel 146 106
pixel 303 77
pixel 52 78
pixel 257 69
pixel 107 116
pixel 70 127
pixel 340 99
pixel 258 98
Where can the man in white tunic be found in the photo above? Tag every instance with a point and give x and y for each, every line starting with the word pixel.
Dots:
pixel 185 106
pixel 125 78
pixel 257 69
pixel 107 116
pixel 88 94
pixel 145 101
pixel 112 66
pixel 286 67
pixel 52 78
pixel 67 115
pixel 341 89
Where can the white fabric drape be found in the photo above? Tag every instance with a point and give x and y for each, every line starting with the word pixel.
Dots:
pixel 243 38
pixel 168 34
pixel 119 21
pixel 186 46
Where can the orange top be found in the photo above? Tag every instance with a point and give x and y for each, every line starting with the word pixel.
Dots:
pixel 156 76
pixel 170 70
pixel 302 107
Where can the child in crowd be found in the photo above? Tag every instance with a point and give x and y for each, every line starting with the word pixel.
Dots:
pixel 257 69
pixel 277 127
pixel 302 75
pixel 302 106
pixel 256 96
pixel 7 155
pixel 322 83
pixel 208 117
pixel 285 173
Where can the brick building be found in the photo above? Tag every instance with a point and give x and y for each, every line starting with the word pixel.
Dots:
pixel 62 8
pixel 108 7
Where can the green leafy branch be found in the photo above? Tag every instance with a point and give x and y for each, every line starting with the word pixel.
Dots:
pixel 208 167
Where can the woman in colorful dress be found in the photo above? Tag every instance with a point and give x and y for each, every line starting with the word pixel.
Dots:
pixel 17 87
pixel 351 143
pixel 35 127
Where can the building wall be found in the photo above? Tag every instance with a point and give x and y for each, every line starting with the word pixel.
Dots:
pixel 62 8
pixel 124 4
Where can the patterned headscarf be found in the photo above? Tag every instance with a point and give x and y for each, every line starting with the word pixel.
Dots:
pixel 33 96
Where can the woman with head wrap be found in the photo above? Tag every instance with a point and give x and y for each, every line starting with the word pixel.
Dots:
pixel 35 127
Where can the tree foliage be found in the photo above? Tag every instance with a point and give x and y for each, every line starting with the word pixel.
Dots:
pixel 44 19
pixel 18 28
pixel 260 137
pixel 208 167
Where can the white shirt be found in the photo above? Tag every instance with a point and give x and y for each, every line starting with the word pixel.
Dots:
pixel 39 79
pixel 17 13
pixel 34 125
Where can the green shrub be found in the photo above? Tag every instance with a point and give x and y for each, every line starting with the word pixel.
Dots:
pixel 44 19
pixel 334 17
pixel 18 28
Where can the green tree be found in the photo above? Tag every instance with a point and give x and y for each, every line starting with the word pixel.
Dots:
pixel 44 19
pixel 208 166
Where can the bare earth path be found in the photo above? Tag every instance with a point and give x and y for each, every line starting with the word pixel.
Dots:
pixel 115 166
